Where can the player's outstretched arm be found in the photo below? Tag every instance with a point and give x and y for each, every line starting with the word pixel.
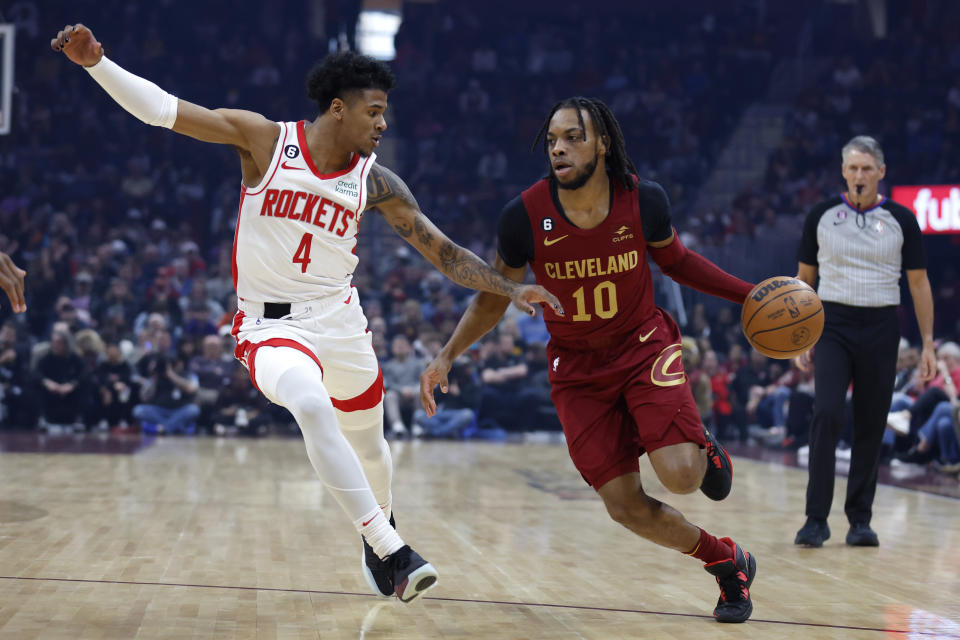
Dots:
pixel 11 281
pixel 481 316
pixel 693 270
pixel 245 130
pixel 392 197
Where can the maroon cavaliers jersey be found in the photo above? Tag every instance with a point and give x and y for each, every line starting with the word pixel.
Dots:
pixel 600 275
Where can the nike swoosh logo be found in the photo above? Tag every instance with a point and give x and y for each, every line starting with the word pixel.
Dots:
pixel 547 241
pixel 368 521
pixel 649 333
pixel 284 166
pixel 836 222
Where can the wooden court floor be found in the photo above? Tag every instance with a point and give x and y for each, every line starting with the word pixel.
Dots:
pixel 206 538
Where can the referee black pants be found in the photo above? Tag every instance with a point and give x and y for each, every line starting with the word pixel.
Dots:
pixel 859 344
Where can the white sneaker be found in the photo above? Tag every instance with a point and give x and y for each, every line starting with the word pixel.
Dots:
pixel 899 421
pixel 416 430
pixel 843 454
pixel 398 429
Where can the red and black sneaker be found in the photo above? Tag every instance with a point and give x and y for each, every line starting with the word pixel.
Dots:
pixel 718 479
pixel 734 575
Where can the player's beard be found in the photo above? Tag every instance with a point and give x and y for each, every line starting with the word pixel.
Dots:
pixel 581 179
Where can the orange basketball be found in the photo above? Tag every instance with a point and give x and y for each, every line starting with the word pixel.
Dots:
pixel 782 317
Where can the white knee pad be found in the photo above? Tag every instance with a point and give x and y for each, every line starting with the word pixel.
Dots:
pixel 270 363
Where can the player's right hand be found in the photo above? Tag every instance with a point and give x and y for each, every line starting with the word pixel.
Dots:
pixel 435 373
pixel 11 281
pixel 78 43
pixel 804 361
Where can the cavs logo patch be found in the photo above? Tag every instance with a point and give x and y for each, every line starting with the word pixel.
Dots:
pixel 667 370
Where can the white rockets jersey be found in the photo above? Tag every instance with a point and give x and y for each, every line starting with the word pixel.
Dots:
pixel 296 231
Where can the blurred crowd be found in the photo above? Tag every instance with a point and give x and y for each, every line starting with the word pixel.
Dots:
pixel 126 230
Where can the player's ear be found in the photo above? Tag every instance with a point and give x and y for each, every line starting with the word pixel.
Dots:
pixel 337 108
pixel 605 146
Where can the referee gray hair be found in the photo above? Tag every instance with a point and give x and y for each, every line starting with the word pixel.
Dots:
pixel 863 144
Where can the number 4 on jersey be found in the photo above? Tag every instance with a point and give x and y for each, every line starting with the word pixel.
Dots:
pixel 302 256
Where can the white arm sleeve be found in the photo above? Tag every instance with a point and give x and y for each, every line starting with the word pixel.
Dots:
pixel 140 97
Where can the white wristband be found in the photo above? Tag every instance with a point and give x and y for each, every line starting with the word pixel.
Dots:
pixel 140 97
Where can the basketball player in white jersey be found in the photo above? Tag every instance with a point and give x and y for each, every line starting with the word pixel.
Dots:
pixel 300 329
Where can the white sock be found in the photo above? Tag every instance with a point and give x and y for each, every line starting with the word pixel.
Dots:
pixel 379 534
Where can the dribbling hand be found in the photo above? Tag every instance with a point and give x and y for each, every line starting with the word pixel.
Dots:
pixel 804 361
pixel 435 373
pixel 78 43
pixel 11 281
pixel 529 295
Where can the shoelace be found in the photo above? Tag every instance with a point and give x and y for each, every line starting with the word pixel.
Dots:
pixel 401 559
pixel 732 587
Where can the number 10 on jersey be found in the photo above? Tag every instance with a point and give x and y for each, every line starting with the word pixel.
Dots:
pixel 604 302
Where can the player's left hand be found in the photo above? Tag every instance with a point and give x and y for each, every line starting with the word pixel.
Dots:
pixel 435 373
pixel 529 294
pixel 11 281
pixel 928 363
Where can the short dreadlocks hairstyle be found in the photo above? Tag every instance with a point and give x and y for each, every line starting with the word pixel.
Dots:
pixel 618 163
pixel 343 72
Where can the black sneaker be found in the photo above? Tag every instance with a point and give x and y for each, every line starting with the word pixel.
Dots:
pixel 734 575
pixel 813 533
pixel 411 575
pixel 861 535
pixel 375 571
pixel 718 478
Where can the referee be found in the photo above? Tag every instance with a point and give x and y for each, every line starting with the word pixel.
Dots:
pixel 858 243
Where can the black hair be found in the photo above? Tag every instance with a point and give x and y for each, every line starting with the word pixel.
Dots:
pixel 345 71
pixel 618 163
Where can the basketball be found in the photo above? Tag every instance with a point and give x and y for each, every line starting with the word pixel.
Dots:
pixel 782 317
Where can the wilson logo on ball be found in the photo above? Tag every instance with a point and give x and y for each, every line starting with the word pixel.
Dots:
pixel 772 285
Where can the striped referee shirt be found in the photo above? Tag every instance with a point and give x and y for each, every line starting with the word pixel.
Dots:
pixel 860 256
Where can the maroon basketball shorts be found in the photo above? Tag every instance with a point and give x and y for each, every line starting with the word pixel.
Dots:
pixel 620 400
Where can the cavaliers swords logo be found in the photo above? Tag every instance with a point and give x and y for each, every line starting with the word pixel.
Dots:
pixel 667 370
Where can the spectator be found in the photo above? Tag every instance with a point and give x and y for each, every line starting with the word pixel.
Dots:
pixel 15 409
pixel 401 379
pixel 213 372
pixel 503 368
pixel 239 408
pixel 116 389
pixel 939 434
pixel 167 392
pixel 60 372
pixel 699 381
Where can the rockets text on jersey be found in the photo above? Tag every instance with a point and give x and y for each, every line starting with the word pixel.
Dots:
pixel 296 233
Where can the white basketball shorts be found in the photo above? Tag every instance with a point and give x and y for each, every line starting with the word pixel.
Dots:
pixel 332 331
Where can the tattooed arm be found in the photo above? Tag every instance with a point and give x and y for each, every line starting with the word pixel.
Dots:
pixel 391 196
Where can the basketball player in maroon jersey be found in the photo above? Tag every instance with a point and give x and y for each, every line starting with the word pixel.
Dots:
pixel 300 329
pixel 11 281
pixel 615 366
